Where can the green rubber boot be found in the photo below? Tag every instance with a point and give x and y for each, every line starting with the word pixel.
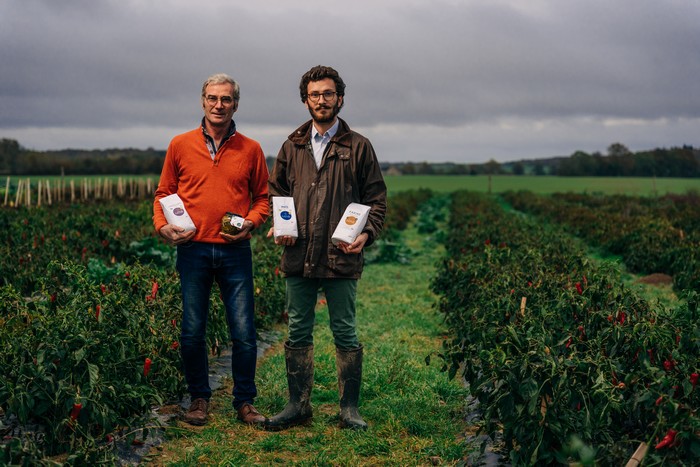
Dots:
pixel 349 364
pixel 300 379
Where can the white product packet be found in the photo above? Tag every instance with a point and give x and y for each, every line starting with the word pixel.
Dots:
pixel 351 224
pixel 284 220
pixel 175 212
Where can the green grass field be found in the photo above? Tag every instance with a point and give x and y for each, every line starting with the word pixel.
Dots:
pixel 544 184
pixel 481 183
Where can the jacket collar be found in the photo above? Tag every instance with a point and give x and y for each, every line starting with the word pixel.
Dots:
pixel 302 135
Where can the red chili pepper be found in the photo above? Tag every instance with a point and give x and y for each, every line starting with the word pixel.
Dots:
pixel 636 356
pixel 175 345
pixel 659 401
pixel 622 317
pixel 568 343
pixel 579 289
pixel 694 379
pixel 98 308
pixel 667 440
pixel 173 322
pixel 147 366
pixel 63 237
pixel 668 365
pixel 154 290
pixel 585 281
pixel 75 411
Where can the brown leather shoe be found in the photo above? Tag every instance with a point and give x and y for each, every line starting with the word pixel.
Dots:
pixel 197 413
pixel 249 414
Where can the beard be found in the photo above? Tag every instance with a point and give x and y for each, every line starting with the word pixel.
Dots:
pixel 326 117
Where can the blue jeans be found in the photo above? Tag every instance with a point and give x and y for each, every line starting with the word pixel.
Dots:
pixel 231 265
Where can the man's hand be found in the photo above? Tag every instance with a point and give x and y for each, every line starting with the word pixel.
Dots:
pixel 284 240
pixel 245 230
pixel 175 235
pixel 356 246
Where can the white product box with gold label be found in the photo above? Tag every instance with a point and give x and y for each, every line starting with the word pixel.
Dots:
pixel 351 224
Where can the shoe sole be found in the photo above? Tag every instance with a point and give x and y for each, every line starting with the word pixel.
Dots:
pixel 304 422
pixel 196 422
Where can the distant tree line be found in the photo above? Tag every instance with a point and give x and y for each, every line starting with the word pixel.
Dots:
pixel 618 162
pixel 674 162
pixel 15 160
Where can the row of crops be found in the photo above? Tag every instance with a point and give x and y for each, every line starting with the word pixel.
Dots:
pixel 568 363
pixel 651 235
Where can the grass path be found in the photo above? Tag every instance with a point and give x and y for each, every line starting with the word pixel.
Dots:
pixel 415 414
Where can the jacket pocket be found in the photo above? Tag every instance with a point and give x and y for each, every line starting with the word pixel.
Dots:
pixel 343 265
pixel 293 257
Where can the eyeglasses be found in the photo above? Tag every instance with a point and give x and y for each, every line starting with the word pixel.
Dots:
pixel 327 96
pixel 225 100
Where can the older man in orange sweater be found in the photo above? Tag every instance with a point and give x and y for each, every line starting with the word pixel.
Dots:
pixel 214 170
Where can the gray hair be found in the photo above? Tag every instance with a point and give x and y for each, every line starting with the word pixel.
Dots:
pixel 222 78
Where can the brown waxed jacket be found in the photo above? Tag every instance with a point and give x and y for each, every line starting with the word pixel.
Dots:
pixel 349 173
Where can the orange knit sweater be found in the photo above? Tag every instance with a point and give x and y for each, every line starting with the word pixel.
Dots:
pixel 235 181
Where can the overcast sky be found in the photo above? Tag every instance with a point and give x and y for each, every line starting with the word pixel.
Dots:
pixel 427 80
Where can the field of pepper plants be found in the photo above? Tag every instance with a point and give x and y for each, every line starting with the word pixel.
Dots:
pixel 650 234
pixel 89 325
pixel 566 362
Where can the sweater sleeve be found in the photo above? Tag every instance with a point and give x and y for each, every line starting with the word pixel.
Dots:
pixel 167 185
pixel 260 208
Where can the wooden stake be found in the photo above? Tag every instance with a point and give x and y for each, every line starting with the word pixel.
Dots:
pixel 638 455
pixel 20 184
pixel 522 306
pixel 7 190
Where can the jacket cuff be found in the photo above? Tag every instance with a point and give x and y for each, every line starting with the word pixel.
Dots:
pixel 370 237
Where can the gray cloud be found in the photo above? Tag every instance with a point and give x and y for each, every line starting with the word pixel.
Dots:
pixel 440 80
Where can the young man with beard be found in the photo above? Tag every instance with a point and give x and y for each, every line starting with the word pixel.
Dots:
pixel 324 166
pixel 215 169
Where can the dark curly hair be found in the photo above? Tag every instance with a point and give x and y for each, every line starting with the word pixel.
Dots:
pixel 318 73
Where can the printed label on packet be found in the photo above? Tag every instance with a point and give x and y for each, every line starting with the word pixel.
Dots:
pixel 284 220
pixel 175 212
pixel 351 224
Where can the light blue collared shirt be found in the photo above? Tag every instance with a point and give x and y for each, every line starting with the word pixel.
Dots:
pixel 319 141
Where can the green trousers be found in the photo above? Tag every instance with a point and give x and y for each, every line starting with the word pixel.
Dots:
pixel 302 294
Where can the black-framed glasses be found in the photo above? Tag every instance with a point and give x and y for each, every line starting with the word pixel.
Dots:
pixel 225 100
pixel 327 96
